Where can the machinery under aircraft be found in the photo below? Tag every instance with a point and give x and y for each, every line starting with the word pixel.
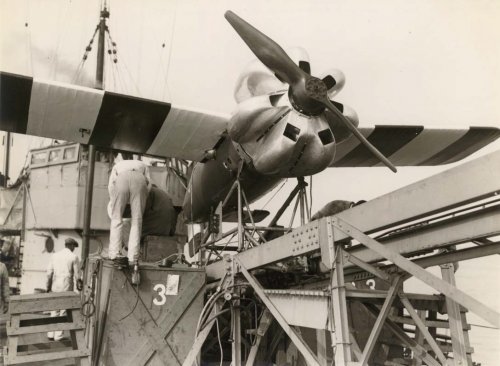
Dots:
pixel 286 125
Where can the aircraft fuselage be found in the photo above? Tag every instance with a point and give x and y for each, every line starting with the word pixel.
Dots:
pixel 270 143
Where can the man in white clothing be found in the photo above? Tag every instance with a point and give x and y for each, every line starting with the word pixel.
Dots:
pixel 129 182
pixel 62 274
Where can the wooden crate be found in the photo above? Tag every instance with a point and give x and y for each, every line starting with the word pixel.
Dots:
pixel 152 329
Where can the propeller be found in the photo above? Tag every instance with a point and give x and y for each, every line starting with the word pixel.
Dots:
pixel 308 94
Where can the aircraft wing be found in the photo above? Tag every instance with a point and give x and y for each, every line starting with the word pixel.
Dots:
pixel 105 119
pixel 414 145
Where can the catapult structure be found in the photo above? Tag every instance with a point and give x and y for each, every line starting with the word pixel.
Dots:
pixel 439 221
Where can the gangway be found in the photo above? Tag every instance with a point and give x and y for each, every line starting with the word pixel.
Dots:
pixel 391 238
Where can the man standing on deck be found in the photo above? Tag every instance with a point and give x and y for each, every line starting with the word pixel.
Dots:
pixel 62 274
pixel 129 182
pixel 4 287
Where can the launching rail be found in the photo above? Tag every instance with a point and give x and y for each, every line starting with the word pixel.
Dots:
pixel 432 196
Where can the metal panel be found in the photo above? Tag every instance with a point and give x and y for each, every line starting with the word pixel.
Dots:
pixel 296 307
pixel 64 184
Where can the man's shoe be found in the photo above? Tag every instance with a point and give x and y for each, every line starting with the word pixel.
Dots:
pixel 121 262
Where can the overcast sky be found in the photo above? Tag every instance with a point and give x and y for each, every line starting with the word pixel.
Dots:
pixel 435 63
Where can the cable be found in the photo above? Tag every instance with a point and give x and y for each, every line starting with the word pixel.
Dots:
pixel 310 196
pixel 275 193
pixel 84 58
pixel 170 54
pixel 135 305
pixel 220 343
pixel 61 24
pixel 483 326
pixel 206 310
pixel 213 317
pixel 26 25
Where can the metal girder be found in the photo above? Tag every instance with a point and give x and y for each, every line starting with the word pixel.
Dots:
pixel 367 267
pixel 200 339
pixel 236 330
pixel 339 309
pixel 445 190
pixel 435 260
pixel 434 194
pixel 355 347
pixel 417 349
pixel 304 349
pixel 438 284
pixel 300 241
pixel 377 327
pixel 455 320
pixel 419 336
pixel 321 347
pixel 265 322
pixel 459 230
pixel 422 328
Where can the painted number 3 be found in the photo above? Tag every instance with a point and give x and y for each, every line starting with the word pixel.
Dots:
pixel 161 297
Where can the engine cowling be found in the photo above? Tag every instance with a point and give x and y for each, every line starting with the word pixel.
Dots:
pixel 334 80
pixel 339 129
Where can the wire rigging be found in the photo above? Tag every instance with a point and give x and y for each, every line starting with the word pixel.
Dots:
pixel 310 196
pixel 28 32
pixel 88 48
pixel 172 32
pixel 61 24
pixel 275 193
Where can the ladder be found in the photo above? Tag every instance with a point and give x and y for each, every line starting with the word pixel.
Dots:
pixel 29 322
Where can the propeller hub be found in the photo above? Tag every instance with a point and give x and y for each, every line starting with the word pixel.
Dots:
pixel 316 88
pixel 306 96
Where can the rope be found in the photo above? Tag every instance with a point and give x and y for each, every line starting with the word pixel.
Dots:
pixel 88 307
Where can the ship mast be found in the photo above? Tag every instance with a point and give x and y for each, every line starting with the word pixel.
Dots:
pixel 7 159
pixel 89 188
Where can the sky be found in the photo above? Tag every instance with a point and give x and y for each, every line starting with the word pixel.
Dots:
pixel 435 63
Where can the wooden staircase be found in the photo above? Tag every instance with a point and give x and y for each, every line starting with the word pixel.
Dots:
pixel 30 320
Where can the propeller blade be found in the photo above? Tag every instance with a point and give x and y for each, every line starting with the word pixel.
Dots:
pixel 307 94
pixel 266 50
pixel 329 105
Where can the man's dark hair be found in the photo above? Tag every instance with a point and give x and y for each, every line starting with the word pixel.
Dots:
pixel 70 242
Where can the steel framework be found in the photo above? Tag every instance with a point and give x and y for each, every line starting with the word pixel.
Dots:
pixel 379 239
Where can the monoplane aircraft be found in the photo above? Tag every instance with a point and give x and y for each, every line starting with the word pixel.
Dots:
pixel 286 125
